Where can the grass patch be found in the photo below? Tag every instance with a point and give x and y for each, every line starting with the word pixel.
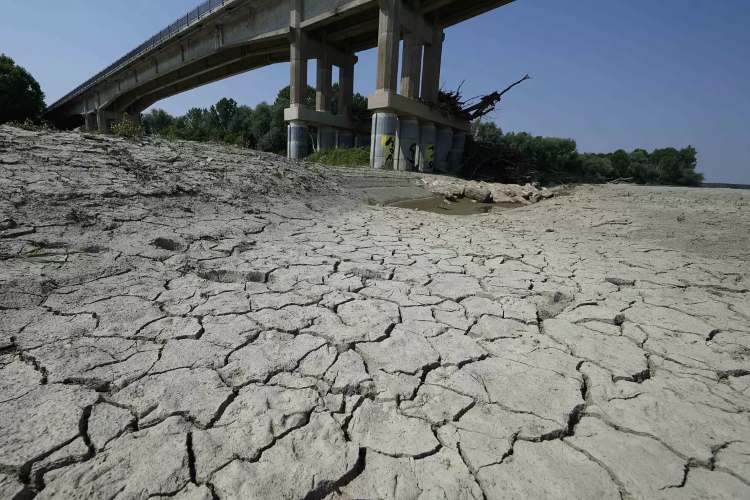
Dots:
pixel 344 157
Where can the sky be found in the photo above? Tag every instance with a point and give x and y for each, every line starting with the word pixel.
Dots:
pixel 608 73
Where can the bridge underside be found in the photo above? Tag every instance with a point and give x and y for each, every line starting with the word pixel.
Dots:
pixel 407 131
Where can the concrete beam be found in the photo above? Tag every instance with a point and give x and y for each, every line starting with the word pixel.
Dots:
pixel 404 106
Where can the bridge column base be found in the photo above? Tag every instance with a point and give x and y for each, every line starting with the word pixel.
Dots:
pixel 345 139
pixel 383 141
pixel 456 156
pixel 427 139
pixel 296 146
pixel 89 122
pixel 443 146
pixel 326 138
pixel 406 149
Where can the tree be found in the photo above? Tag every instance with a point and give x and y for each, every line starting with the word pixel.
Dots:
pixel 21 97
pixel 157 122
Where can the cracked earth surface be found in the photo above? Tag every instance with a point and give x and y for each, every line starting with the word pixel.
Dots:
pixel 197 322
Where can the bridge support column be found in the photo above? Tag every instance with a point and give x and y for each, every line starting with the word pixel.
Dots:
pixel 296 145
pixel 383 143
pixel 456 158
pixel 345 139
pixel 89 122
pixel 427 138
pixel 443 147
pixel 406 148
pixel 433 55
pixel 326 134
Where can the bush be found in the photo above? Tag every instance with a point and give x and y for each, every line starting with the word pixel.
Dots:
pixel 21 97
pixel 128 128
pixel 344 157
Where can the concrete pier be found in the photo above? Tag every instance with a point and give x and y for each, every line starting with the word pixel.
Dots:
pixel 406 144
pixel 344 139
pixel 89 122
pixel 427 138
pixel 297 140
pixel 456 157
pixel 326 138
pixel 383 144
pixel 443 147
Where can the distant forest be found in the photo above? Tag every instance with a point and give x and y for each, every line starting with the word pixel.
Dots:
pixel 491 154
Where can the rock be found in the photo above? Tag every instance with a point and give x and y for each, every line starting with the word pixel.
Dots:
pixel 477 192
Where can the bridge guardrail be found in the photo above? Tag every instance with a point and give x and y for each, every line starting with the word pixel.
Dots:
pixel 192 17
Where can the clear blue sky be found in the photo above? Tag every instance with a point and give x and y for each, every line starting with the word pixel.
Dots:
pixel 608 73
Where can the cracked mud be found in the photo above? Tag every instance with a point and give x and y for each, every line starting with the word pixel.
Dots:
pixel 198 322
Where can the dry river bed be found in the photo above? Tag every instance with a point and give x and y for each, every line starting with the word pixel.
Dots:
pixel 198 322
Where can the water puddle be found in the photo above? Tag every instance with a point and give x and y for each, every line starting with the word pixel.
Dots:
pixel 462 206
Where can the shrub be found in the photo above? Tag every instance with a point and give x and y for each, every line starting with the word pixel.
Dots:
pixel 128 128
pixel 343 157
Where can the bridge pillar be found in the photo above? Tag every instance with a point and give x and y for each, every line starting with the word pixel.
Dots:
pixel 326 134
pixel 456 157
pixel 427 138
pixel 433 55
pixel 383 144
pixel 406 144
pixel 89 122
pixel 389 39
pixel 345 139
pixel 443 146
pixel 296 140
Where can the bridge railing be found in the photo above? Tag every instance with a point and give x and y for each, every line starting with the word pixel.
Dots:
pixel 195 15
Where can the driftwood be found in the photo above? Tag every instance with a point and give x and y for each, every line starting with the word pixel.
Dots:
pixel 452 101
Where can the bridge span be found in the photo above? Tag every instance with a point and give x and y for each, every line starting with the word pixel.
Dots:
pixel 221 38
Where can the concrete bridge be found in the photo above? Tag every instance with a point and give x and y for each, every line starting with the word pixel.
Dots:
pixel 222 38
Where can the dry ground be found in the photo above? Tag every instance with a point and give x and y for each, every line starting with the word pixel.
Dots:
pixel 200 322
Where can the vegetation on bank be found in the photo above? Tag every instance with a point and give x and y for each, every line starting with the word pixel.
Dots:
pixel 343 157
pixel 21 97
pixel 518 157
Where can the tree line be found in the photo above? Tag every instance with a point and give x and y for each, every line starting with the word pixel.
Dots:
pixel 520 156
pixel 262 127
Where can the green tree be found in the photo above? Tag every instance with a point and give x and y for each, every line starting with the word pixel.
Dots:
pixel 21 97
pixel 620 160
pixel 157 122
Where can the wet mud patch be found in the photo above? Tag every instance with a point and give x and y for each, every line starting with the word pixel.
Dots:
pixel 460 207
